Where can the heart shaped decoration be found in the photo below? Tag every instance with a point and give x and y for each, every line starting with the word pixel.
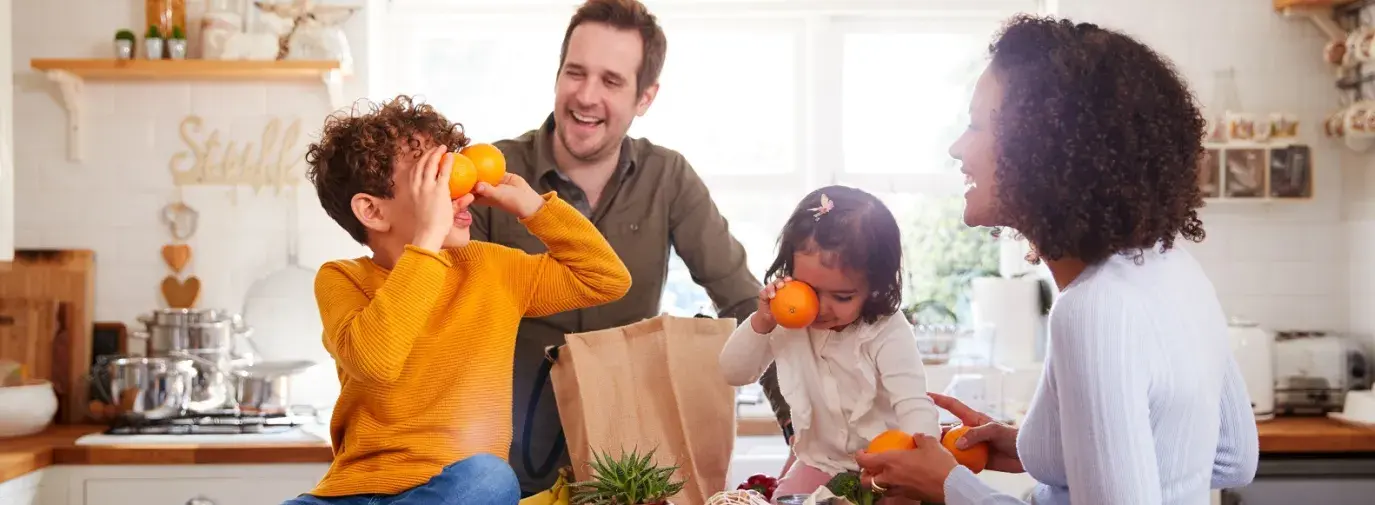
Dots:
pixel 176 256
pixel 181 294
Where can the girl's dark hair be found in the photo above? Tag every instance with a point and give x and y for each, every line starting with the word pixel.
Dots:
pixel 861 233
pixel 1099 142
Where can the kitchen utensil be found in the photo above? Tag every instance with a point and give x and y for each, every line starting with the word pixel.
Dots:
pixel 265 388
pixel 1253 348
pixel 65 277
pixel 211 388
pixel 27 409
pixel 146 387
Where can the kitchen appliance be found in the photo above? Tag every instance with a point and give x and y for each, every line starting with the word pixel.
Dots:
pixel 143 388
pixel 1253 348
pixel 1314 370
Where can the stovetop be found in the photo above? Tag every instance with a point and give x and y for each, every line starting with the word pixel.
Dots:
pixel 222 423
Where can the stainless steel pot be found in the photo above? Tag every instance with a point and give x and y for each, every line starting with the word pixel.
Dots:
pixel 210 389
pixel 265 388
pixel 146 388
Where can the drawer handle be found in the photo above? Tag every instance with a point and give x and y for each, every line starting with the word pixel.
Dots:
pixel 199 500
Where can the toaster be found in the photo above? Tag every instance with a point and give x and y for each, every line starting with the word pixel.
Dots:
pixel 1314 370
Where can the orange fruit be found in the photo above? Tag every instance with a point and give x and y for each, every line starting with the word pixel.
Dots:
pixel 463 177
pixel 975 457
pixel 490 163
pixel 892 440
pixel 794 305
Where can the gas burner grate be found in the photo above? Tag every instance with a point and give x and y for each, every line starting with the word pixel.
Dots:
pixel 209 424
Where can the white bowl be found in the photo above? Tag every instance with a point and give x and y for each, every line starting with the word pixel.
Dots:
pixel 1360 405
pixel 27 409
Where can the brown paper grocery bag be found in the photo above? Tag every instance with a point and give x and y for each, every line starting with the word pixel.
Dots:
pixel 656 385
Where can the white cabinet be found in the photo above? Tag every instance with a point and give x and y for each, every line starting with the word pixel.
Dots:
pixel 175 484
pixel 22 490
pixel 6 132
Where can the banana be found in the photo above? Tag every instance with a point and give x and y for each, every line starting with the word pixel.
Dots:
pixel 558 494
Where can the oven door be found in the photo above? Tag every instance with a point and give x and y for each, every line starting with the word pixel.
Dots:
pixel 1327 479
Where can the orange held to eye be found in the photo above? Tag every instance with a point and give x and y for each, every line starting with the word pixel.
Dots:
pixel 975 457
pixel 463 177
pixel 794 305
pixel 489 162
pixel 892 440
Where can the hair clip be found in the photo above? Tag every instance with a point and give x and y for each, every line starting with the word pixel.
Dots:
pixel 820 210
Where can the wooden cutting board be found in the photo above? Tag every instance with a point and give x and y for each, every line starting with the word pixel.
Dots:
pixel 29 335
pixel 66 276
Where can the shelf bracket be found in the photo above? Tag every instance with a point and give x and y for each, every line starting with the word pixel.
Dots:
pixel 334 85
pixel 1320 16
pixel 72 89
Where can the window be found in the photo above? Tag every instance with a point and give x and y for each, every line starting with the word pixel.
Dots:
pixel 766 99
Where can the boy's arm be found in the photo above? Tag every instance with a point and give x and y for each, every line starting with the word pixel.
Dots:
pixel 580 270
pixel 903 377
pixel 371 338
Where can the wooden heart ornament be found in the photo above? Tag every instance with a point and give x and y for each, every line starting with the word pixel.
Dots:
pixel 176 256
pixel 181 294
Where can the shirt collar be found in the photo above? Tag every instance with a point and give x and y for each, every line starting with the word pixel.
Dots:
pixel 544 153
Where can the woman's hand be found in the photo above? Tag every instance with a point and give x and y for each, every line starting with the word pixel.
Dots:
pixel 762 322
pixel 918 474
pixel 1001 438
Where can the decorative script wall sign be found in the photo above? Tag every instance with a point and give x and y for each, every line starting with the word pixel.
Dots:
pixel 208 161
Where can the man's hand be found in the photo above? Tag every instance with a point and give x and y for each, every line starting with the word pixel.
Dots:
pixel 513 195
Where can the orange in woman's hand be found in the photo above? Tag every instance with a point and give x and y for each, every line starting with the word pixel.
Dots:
pixel 975 457
pixel 892 440
pixel 794 305
pixel 489 162
pixel 463 177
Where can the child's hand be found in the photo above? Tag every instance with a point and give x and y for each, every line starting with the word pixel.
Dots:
pixel 429 191
pixel 513 195
pixel 762 321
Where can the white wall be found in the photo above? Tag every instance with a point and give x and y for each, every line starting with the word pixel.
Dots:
pixel 1284 265
pixel 111 202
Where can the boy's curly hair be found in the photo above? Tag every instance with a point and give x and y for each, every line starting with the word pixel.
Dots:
pixel 357 153
pixel 860 231
pixel 1099 142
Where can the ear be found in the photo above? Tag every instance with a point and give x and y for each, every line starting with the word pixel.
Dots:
pixel 646 99
pixel 369 211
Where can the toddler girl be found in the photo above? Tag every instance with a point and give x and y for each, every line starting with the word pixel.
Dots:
pixel 855 371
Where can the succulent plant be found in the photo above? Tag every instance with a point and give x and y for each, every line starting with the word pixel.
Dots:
pixel 632 479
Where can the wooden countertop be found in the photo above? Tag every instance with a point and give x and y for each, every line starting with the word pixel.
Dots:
pixel 56 446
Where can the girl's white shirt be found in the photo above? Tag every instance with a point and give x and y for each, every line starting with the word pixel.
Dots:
pixel 844 387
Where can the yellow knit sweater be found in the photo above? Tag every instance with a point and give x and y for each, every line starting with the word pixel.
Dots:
pixel 425 351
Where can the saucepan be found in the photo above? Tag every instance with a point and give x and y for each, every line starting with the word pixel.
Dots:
pixel 137 387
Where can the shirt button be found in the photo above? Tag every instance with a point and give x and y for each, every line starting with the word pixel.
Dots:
pixel 634 227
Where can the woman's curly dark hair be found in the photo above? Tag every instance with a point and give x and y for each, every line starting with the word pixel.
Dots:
pixel 862 234
pixel 1099 142
pixel 357 153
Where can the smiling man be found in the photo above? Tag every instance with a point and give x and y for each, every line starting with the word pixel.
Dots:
pixel 643 197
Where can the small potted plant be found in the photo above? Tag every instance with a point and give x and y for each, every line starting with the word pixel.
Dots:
pixel 633 479
pixel 152 43
pixel 124 44
pixel 176 45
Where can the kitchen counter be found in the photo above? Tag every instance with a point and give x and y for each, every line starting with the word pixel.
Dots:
pixel 57 446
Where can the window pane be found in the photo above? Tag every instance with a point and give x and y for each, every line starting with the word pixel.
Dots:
pixel 900 114
pixel 497 83
pixel 728 101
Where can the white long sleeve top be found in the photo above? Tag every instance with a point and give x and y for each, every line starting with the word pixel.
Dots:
pixel 1140 401
pixel 844 387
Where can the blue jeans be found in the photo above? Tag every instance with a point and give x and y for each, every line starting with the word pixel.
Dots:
pixel 483 479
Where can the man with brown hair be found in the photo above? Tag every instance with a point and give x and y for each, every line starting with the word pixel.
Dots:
pixel 643 197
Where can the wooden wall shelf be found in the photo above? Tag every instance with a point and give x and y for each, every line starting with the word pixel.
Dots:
pixel 1317 11
pixel 71 74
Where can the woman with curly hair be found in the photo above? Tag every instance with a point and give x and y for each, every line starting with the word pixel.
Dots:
pixel 1086 143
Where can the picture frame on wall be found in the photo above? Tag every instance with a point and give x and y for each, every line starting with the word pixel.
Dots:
pixel 1244 172
pixel 1210 173
pixel 1291 172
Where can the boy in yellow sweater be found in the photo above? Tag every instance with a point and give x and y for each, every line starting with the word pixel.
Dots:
pixel 423 331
